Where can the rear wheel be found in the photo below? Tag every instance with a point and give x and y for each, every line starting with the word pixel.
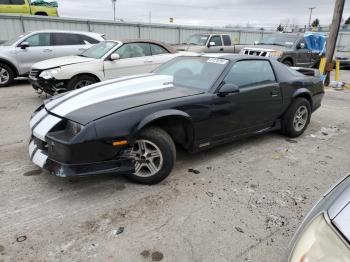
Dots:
pixel 6 75
pixel 297 118
pixel 154 155
pixel 80 81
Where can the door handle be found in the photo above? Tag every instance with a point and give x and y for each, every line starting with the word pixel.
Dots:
pixel 275 93
pixel 221 49
pixel 47 50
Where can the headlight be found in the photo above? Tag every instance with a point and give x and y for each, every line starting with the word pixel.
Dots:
pixel 276 54
pixel 48 74
pixel 73 127
pixel 319 242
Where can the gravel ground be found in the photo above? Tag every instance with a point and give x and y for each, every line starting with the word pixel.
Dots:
pixel 243 205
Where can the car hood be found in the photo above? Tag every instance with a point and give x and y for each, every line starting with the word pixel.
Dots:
pixel 267 48
pixel 62 61
pixel 102 99
pixel 342 55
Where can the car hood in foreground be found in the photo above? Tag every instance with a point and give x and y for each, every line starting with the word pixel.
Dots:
pixel 267 48
pixel 102 99
pixel 62 61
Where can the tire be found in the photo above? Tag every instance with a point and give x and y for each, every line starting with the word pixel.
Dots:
pixel 292 125
pixel 6 75
pixel 288 62
pixel 80 81
pixel 159 142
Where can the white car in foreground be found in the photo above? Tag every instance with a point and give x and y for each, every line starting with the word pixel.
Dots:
pixel 106 60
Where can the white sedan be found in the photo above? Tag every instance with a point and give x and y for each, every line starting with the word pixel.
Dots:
pixel 106 60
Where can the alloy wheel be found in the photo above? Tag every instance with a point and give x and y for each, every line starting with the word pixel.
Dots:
pixel 147 157
pixel 4 75
pixel 83 83
pixel 300 118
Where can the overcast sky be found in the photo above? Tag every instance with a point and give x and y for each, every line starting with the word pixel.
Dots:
pixel 204 12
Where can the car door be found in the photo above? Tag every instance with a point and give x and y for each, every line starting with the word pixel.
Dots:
pixel 160 55
pixel 66 44
pixel 218 47
pixel 257 104
pixel 39 49
pixel 134 58
pixel 303 54
pixel 14 6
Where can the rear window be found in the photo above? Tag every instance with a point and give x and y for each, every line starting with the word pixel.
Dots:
pixel 226 39
pixel 84 39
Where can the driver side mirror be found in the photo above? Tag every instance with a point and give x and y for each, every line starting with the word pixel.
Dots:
pixel 256 42
pixel 24 45
pixel 301 46
pixel 211 44
pixel 228 89
pixel 115 57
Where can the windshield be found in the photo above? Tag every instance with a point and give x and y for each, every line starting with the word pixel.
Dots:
pixel 12 41
pixel 98 50
pixel 279 39
pixel 197 40
pixel 194 72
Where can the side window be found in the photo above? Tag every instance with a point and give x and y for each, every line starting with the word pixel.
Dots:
pixel 66 39
pixel 84 39
pixel 17 2
pixel 216 39
pixel 5 2
pixel 132 50
pixel 158 50
pixel 251 72
pixel 227 40
pixel 42 39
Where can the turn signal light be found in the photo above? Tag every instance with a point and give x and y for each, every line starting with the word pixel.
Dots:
pixel 120 143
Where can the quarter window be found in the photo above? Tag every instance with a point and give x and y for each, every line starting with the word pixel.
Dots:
pixel 84 39
pixel 66 39
pixel 132 50
pixel 216 39
pixel 227 40
pixel 42 39
pixel 251 72
pixel 158 50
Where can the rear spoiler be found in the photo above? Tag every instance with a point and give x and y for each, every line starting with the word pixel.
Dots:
pixel 308 71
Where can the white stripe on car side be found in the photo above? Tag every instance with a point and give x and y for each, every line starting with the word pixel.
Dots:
pixel 55 102
pixel 39 158
pixel 38 116
pixel 113 91
pixel 45 126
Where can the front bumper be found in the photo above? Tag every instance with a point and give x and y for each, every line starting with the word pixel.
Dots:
pixel 50 86
pixel 68 160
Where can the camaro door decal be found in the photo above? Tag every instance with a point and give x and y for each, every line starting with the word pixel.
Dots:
pixel 56 102
pixel 113 91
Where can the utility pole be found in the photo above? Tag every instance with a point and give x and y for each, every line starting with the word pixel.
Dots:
pixel 333 34
pixel 114 4
pixel 311 8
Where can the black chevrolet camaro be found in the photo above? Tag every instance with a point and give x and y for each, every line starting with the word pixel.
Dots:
pixel 130 125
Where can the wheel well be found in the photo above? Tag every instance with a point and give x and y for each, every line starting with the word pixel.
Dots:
pixel 88 74
pixel 306 96
pixel 41 13
pixel 288 59
pixel 14 69
pixel 179 128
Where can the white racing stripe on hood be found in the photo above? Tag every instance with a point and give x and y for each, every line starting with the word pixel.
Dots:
pixel 54 102
pixel 112 91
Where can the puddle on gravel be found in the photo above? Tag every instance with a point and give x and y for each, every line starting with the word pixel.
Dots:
pixel 35 172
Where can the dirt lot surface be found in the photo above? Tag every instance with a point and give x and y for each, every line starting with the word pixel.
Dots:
pixel 244 204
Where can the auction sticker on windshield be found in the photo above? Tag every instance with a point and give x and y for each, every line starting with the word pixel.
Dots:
pixel 217 61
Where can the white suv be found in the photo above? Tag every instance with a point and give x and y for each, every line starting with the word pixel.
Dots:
pixel 19 54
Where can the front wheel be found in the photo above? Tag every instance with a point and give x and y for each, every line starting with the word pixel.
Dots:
pixel 297 117
pixel 6 75
pixel 154 155
pixel 80 81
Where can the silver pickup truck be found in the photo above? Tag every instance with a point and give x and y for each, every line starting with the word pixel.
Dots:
pixel 209 43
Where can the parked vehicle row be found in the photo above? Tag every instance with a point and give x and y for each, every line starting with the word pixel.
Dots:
pixel 106 60
pixel 19 54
